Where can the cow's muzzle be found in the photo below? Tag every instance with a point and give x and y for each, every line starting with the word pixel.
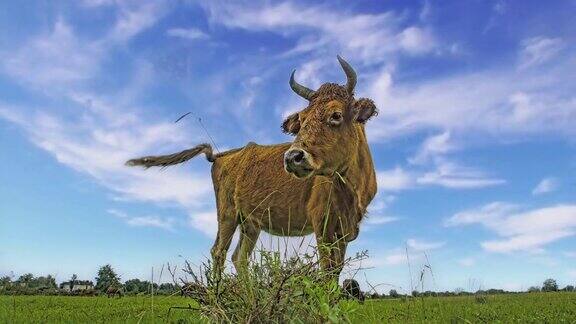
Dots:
pixel 298 162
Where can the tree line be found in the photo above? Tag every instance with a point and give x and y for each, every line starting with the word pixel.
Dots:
pixel 549 285
pixel 106 278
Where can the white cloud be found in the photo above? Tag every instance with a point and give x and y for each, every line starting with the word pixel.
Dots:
pixel 418 245
pixel 426 11
pixel 187 33
pixel 432 147
pixel 57 58
pixel 133 18
pixel 415 40
pixel 100 152
pixel 394 180
pixel 518 230
pixel 451 175
pixel 381 202
pixel 487 215
pixel 500 7
pixel 97 3
pixel 531 242
pixel 414 254
pixel 207 222
pixel 444 173
pixel 570 254
pixel 467 262
pixel 144 221
pixel 377 210
pixel 379 220
pixel 498 10
pixel 368 37
pixel 432 167
pixel 546 185
pixel 60 60
pixel 538 50
pixel 498 105
pixel 572 273
pixel 95 134
pixel 395 259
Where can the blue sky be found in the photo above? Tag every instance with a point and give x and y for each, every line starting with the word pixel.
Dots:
pixel 474 144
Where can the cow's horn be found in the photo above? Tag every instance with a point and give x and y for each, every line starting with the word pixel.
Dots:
pixel 300 90
pixel 350 75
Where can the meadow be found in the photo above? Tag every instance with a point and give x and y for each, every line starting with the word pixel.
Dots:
pixel 552 307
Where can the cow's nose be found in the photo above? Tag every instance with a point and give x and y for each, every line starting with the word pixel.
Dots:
pixel 294 156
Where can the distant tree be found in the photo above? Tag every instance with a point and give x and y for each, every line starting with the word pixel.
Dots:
pixel 533 289
pixel 415 293
pixel 132 286
pixel 569 288
pixel 167 287
pixel 107 277
pixel 5 281
pixel 375 295
pixel 394 294
pixel 51 282
pixel 458 291
pixel 135 286
pixel 26 279
pixel 495 291
pixel 550 285
pixel 44 282
pixel 73 281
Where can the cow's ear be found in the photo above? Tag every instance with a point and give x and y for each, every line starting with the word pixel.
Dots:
pixel 292 124
pixel 364 109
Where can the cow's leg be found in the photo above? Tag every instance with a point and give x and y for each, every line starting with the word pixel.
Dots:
pixel 248 236
pixel 338 256
pixel 332 253
pixel 227 224
pixel 324 245
pixel 324 230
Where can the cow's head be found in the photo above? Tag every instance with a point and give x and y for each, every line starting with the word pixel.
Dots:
pixel 329 130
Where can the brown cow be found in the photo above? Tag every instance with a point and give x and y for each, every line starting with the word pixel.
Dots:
pixel 114 291
pixel 351 289
pixel 321 183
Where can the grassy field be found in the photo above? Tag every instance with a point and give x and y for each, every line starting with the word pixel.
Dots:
pixel 520 308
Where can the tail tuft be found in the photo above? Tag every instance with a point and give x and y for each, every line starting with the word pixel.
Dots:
pixel 171 159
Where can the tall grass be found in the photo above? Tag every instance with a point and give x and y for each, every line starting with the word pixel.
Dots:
pixel 273 289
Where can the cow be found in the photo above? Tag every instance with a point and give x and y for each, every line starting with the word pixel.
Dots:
pixel 320 183
pixel 114 291
pixel 351 289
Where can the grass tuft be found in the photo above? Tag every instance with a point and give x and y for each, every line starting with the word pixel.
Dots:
pixel 273 289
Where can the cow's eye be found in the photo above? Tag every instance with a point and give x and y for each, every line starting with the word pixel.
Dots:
pixel 335 118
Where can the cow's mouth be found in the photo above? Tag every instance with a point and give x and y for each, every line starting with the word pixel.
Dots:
pixel 300 172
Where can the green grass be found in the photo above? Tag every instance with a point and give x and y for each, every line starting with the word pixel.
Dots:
pixel 68 309
pixel 519 308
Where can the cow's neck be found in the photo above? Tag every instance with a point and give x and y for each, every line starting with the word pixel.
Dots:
pixel 351 190
pixel 359 175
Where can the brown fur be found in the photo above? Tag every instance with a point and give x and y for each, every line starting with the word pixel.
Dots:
pixel 255 193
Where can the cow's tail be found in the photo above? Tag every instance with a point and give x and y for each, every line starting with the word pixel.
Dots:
pixel 176 158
